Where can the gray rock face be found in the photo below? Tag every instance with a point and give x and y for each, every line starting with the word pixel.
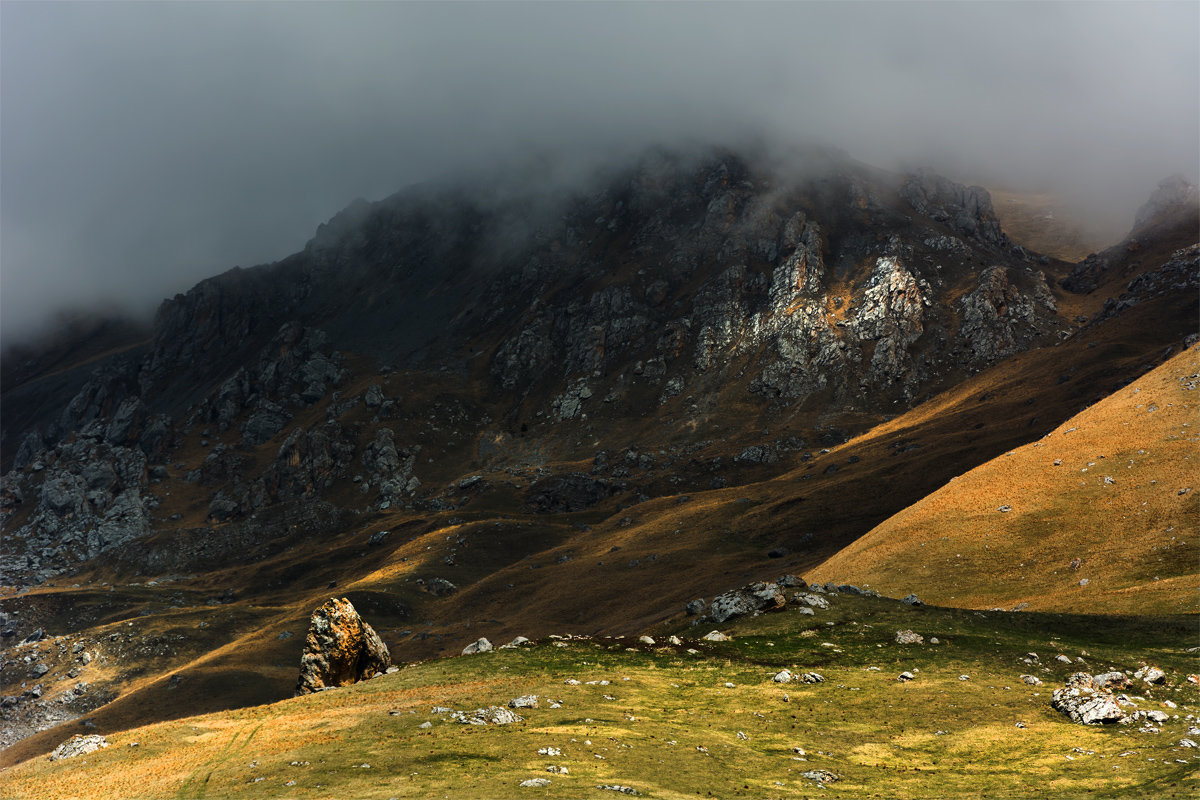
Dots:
pixel 749 599
pixel 966 209
pixel 93 499
pixel 340 649
pixel 78 745
pixel 1173 193
pixel 999 319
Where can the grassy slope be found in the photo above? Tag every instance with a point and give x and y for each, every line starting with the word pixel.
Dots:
pixel 1135 538
pixel 938 736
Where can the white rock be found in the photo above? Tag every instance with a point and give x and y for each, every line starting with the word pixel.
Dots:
pixel 478 646
pixel 715 636
pixel 646 640
pixel 535 782
pixel 79 745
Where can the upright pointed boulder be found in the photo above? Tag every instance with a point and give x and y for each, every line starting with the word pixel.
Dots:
pixel 340 649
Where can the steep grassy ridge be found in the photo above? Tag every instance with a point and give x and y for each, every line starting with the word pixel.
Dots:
pixel 1102 515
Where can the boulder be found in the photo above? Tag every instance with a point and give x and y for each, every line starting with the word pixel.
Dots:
pixel 754 597
pixel 715 636
pixel 1151 674
pixel 78 745
pixel 908 637
pixel 697 606
pixel 524 701
pixel 1085 702
pixel 340 649
pixel 494 715
pixel 912 600
pixel 480 645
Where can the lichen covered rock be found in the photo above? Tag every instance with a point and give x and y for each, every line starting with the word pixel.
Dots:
pixel 340 649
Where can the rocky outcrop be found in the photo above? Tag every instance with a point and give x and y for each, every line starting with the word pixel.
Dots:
pixel 340 649
pixel 573 491
pixel 965 209
pixel 91 498
pixel 1173 195
pixel 999 319
pixel 297 368
pixel 1179 274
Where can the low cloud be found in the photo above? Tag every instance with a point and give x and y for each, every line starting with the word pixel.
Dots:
pixel 146 146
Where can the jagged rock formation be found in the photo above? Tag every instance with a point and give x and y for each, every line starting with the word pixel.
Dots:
pixel 340 649
pixel 1173 194
pixel 686 285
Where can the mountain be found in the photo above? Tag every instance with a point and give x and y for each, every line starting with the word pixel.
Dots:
pixel 519 407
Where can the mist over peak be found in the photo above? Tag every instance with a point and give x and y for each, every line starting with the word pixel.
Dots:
pixel 145 147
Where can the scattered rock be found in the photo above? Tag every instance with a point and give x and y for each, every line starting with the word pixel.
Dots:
pixel 696 607
pixel 535 782
pixel 481 645
pixel 905 676
pixel 79 745
pixel 340 649
pixel 908 637
pixel 612 787
pixel 646 640
pixel 811 677
pixel 783 677
pixel 912 600
pixel 549 751
pixel 715 636
pixel 1032 680
pixel 557 770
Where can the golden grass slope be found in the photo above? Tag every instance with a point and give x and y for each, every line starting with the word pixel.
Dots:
pixel 1103 516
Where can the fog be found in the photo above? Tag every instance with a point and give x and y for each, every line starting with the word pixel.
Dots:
pixel 145 146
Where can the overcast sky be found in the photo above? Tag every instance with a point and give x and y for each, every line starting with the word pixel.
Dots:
pixel 144 146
